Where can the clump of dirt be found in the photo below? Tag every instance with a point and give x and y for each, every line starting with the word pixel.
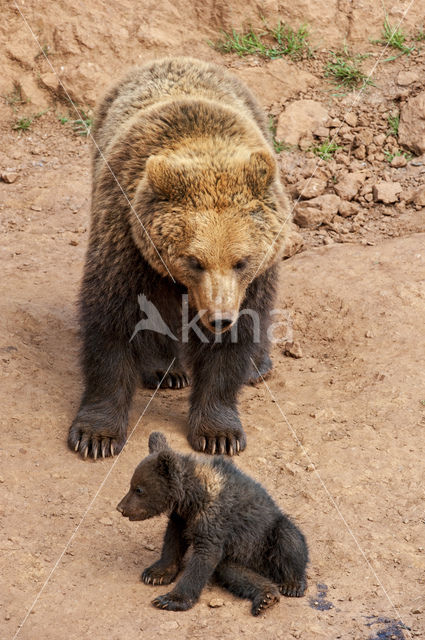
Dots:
pixel 333 434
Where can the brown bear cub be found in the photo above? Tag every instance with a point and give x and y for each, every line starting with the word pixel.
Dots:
pixel 240 538
pixel 188 218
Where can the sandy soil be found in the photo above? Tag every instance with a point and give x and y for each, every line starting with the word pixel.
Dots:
pixel 336 435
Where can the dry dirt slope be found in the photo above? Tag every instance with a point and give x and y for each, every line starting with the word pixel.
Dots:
pixel 353 402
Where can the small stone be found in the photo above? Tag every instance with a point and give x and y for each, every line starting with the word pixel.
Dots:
pixel 292 349
pixel 386 192
pixel 349 185
pixel 310 218
pixel 1 479
pixel 9 176
pixel 405 78
pixel 380 139
pixel 73 243
pixel 215 603
pixel 365 136
pixel 368 334
pixel 106 521
pixel 169 625
pixel 417 196
pixel 321 132
pixel 398 161
pixel 417 610
pixel 35 207
pixel 360 152
pixel 347 209
pixel 149 547
pixel 7 616
pixel 310 187
pixel 310 467
pixel 351 119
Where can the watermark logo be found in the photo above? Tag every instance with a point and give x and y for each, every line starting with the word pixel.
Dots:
pixel 279 330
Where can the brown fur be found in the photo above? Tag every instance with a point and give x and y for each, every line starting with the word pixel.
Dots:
pixel 189 147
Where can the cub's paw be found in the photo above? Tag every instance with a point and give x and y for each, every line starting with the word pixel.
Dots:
pixel 175 379
pixel 172 602
pixel 94 434
pixel 263 602
pixel 293 588
pixel 159 575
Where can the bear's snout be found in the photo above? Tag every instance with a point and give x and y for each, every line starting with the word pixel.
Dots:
pixel 221 322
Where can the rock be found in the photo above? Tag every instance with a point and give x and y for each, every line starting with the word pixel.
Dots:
pixel 351 119
pixel 31 92
pixel 386 192
pixel 405 78
pixel 347 209
pixel 417 196
pixel 106 521
pixel 9 176
pixel 169 625
pixel 310 218
pixel 294 242
pixel 50 81
pixel 292 469
pixel 22 47
pixel 411 131
pixel 292 350
pixel 310 187
pixel 360 152
pixel 364 137
pixel 215 603
pixel 299 119
pixel 328 203
pixel 398 161
pixel 73 243
pixel 349 185
pixel 321 132
pixel 380 139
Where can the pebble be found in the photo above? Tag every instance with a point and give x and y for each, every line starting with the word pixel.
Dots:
pixel 292 349
pixel 169 625
pixel 215 603
pixel 386 192
pixel 351 119
pixel 106 521
pixel 398 161
pixel 9 176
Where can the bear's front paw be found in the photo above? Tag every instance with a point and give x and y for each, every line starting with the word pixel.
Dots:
pixel 157 574
pixel 97 433
pixel 173 602
pixel 220 433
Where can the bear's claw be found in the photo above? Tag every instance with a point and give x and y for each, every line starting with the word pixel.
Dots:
pixel 167 601
pixel 293 589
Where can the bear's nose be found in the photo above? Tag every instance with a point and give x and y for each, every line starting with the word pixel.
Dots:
pixel 120 507
pixel 220 321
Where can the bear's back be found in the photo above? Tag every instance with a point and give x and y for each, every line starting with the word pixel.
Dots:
pixel 167 80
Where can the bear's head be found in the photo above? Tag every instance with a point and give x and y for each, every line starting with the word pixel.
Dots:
pixel 156 483
pixel 215 216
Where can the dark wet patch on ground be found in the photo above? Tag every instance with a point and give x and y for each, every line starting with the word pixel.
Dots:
pixel 319 602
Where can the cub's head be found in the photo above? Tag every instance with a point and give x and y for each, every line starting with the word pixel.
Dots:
pixel 156 483
pixel 217 219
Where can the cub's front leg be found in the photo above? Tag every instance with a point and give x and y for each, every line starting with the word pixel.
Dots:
pixel 165 570
pixel 198 571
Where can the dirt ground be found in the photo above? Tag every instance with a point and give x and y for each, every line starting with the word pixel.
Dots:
pixel 336 435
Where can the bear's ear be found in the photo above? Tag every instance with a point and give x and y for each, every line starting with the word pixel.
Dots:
pixel 157 442
pixel 260 171
pixel 165 177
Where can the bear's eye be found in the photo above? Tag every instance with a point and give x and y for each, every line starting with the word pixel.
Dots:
pixel 140 491
pixel 195 264
pixel 241 264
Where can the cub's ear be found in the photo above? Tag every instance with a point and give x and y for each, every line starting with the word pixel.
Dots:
pixel 169 467
pixel 165 177
pixel 157 442
pixel 260 171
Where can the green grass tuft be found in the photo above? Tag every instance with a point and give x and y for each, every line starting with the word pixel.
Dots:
pixel 394 37
pixel 394 123
pixel 390 156
pixel 325 150
pixel 271 43
pixel 278 145
pixel 23 124
pixel 83 125
pixel 344 70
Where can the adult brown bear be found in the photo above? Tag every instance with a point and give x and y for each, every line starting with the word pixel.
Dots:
pixel 186 201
